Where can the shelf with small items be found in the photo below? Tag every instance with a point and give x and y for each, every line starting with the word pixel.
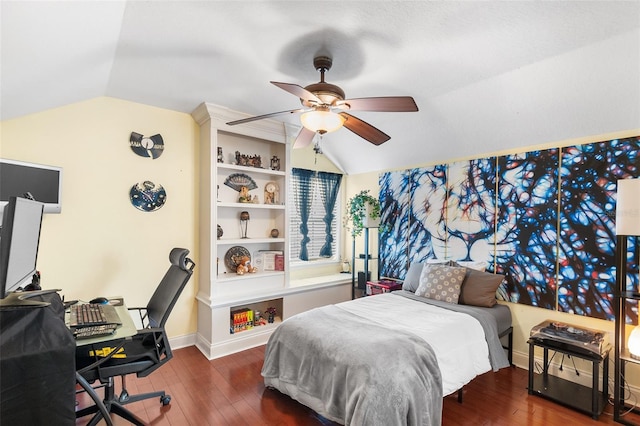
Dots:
pixel 266 313
pixel 230 276
pixel 256 206
pixel 235 167
pixel 236 241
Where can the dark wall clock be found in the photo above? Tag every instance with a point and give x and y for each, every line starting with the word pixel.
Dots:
pixel 147 146
pixel 147 196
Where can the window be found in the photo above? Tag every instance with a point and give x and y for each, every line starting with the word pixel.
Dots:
pixel 311 192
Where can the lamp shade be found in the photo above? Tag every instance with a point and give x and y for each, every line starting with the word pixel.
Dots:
pixel 634 343
pixel 322 121
pixel 628 207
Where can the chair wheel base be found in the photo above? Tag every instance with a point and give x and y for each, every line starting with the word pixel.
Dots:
pixel 165 400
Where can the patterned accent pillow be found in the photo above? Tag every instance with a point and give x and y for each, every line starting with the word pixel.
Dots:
pixel 440 282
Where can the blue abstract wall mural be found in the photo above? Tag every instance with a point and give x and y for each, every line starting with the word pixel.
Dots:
pixel 394 213
pixel 526 227
pixel 589 174
pixel 545 219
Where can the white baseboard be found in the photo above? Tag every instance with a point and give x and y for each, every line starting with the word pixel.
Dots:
pixel 182 341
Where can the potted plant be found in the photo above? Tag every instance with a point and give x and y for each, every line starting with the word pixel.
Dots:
pixel 363 212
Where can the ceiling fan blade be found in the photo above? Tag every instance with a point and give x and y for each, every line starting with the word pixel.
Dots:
pixel 381 104
pixel 305 137
pixel 260 117
pixel 298 91
pixel 364 129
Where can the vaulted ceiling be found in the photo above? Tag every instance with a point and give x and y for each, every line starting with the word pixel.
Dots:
pixel 486 76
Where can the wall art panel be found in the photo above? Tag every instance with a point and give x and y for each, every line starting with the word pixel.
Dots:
pixel 526 236
pixel 586 276
pixel 394 215
pixel 471 210
pixel 427 218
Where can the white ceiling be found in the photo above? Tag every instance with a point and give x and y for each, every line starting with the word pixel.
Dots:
pixel 486 76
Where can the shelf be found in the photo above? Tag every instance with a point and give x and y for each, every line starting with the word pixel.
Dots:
pixel 258 328
pixel 230 276
pixel 626 356
pixel 250 169
pixel 241 241
pixel 252 206
pixel 633 295
pixel 567 393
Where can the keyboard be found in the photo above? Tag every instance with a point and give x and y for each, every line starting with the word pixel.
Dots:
pixel 90 314
pixel 95 331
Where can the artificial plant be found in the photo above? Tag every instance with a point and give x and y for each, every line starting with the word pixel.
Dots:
pixel 357 211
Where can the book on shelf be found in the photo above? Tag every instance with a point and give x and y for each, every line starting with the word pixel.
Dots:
pixel 279 262
pixel 269 259
pixel 241 319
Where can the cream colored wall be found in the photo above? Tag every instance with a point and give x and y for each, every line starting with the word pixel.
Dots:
pixel 101 245
pixel 524 317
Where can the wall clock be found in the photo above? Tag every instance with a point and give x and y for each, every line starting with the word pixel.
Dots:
pixel 147 196
pixel 144 146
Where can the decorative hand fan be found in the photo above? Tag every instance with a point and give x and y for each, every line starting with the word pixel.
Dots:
pixel 238 180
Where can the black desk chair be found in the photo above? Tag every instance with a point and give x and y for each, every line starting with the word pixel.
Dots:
pixel 147 351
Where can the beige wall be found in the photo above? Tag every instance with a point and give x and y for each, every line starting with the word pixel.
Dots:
pixel 101 245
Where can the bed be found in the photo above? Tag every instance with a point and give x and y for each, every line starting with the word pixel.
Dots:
pixel 385 359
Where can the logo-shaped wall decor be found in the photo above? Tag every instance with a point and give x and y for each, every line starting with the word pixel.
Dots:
pixel 147 146
pixel 147 196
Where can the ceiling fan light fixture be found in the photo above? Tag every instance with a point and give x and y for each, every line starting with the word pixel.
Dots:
pixel 322 121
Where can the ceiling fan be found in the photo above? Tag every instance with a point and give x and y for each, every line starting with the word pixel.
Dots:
pixel 325 109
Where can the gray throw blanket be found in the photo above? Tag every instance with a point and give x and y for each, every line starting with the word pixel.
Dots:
pixel 364 374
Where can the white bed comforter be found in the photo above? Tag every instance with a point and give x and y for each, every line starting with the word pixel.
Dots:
pixel 457 339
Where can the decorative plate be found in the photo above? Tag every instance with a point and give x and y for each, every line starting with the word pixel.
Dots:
pixel 147 196
pixel 145 146
pixel 238 180
pixel 233 256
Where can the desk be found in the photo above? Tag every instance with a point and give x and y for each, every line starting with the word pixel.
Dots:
pixel 127 329
pixel 37 365
pixel 115 340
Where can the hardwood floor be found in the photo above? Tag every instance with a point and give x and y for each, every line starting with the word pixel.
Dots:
pixel 230 391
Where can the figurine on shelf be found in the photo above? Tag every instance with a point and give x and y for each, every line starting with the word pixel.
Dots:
pixel 220 156
pixel 271 314
pixel 244 196
pixel 275 163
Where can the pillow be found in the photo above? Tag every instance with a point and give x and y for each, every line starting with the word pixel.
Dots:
pixel 479 288
pixel 440 282
pixel 478 266
pixel 436 261
pixel 412 279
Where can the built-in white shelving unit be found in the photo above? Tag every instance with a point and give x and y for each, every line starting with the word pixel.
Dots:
pixel 221 290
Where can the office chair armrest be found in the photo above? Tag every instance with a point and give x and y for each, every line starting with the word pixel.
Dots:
pixel 142 313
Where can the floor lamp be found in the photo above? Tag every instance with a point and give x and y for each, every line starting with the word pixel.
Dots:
pixel 627 225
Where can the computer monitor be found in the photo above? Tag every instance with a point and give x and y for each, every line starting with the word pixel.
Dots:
pixel 19 242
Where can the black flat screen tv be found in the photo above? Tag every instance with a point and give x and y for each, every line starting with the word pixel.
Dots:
pixel 19 243
pixel 42 182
